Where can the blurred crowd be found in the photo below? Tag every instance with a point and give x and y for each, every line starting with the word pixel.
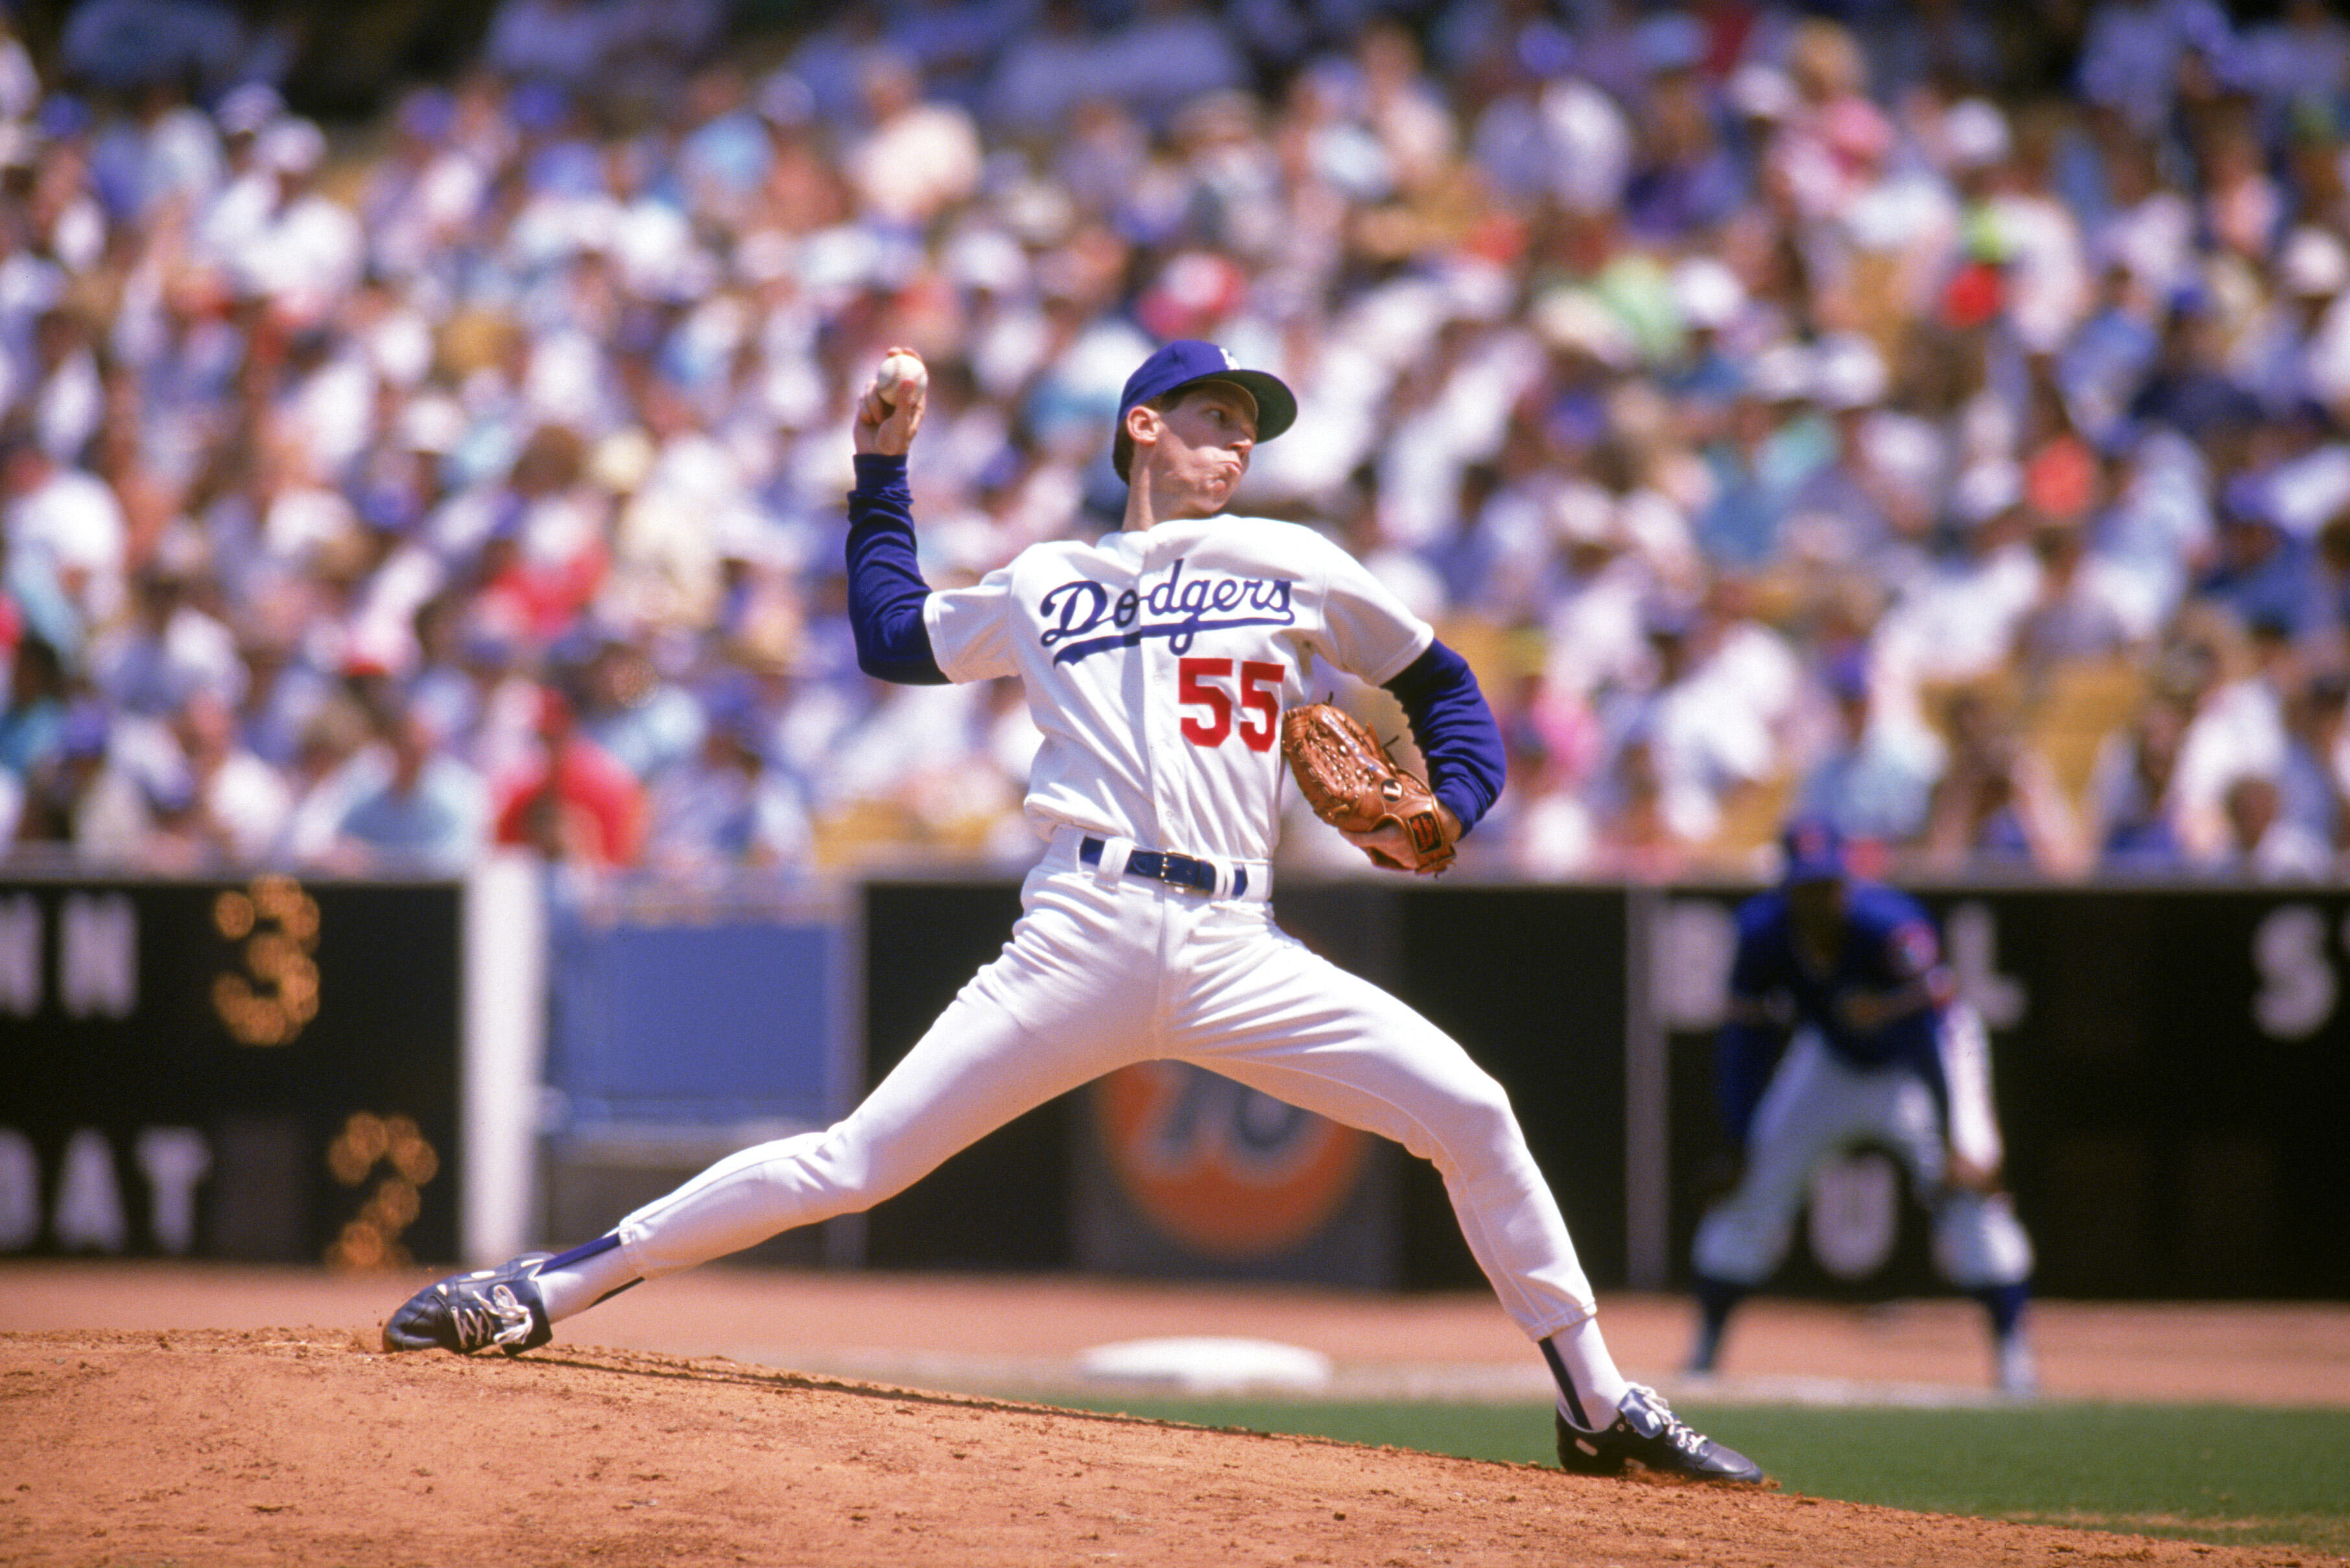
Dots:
pixel 1934 415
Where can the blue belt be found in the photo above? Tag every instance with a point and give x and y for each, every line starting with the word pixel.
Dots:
pixel 1162 865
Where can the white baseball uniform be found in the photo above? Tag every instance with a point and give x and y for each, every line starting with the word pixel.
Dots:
pixel 1157 664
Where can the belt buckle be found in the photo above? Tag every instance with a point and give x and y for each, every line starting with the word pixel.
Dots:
pixel 1188 877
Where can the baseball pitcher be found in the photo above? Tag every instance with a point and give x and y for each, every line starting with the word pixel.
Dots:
pixel 1158 662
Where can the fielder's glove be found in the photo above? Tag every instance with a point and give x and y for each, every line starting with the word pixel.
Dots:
pixel 1354 785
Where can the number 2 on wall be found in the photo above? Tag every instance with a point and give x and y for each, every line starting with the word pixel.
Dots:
pixel 1259 685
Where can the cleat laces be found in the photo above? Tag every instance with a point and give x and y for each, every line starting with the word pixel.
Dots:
pixel 1647 1414
pixel 497 1317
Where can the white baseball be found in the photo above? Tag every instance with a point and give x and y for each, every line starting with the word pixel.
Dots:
pixel 901 372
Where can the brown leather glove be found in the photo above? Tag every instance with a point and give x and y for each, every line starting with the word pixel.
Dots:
pixel 1354 785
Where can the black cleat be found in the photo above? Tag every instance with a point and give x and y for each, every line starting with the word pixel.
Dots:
pixel 466 1313
pixel 1647 1435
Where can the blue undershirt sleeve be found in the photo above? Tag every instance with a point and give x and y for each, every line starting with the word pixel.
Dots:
pixel 1455 728
pixel 886 590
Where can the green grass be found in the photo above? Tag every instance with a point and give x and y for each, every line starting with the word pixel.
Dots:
pixel 2220 1474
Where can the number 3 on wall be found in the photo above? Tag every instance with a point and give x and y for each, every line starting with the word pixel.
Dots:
pixel 1260 702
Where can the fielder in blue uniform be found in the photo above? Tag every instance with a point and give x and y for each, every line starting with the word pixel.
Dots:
pixel 1844 1029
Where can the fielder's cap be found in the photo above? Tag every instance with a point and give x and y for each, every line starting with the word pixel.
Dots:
pixel 1814 851
pixel 1186 361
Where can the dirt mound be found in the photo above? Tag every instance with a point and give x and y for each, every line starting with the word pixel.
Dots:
pixel 306 1445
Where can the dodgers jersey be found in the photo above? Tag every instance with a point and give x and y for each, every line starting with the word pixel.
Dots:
pixel 1157 664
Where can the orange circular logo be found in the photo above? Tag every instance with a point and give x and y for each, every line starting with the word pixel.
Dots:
pixel 1230 1173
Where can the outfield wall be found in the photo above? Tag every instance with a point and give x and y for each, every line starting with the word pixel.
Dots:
pixel 268 1068
pixel 2172 1063
pixel 276 1070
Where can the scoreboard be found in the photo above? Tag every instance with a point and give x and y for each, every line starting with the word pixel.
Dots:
pixel 259 1068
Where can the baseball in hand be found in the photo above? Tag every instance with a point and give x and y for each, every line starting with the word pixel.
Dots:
pixel 901 375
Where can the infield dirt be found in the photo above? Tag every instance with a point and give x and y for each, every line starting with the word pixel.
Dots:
pixel 155 1435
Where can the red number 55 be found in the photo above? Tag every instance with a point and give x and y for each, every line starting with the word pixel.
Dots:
pixel 1259 685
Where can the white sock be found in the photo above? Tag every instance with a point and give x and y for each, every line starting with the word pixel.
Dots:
pixel 581 1282
pixel 1580 1358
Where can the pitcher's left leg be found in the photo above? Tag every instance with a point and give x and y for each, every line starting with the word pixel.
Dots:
pixel 1304 1032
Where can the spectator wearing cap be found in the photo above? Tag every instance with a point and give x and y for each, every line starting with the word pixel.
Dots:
pixel 1707 729
pixel 1598 590
pixel 157 660
pixel 544 548
pixel 726 807
pixel 2102 364
pixel 1544 823
pixel 277 234
pixel 1708 301
pixel 724 161
pixel 918 156
pixel 2260 574
pixel 159 162
pixel 65 521
pixel 20 84
pixel 2302 464
pixel 2080 610
pixel 2281 354
pixel 2241 207
pixel 2236 726
pixel 65 394
pixel 32 720
pixel 1770 443
pixel 2189 388
pixel 1960 622
pixel 2264 843
pixel 1874 492
pixel 33 602
pixel 2314 778
pixel 648 723
pixel 1558 137
pixel 1875 778
pixel 1686 176
pixel 424 811
pixel 1642 828
pixel 570 801
pixel 81 800
pixel 1830 145
pixel 2131 824
pixel 238 805
pixel 431 185
pixel 324 395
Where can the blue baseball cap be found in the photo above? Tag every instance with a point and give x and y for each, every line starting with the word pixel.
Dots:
pixel 1814 851
pixel 1186 361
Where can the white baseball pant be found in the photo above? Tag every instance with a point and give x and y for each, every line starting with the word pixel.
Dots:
pixel 1104 970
